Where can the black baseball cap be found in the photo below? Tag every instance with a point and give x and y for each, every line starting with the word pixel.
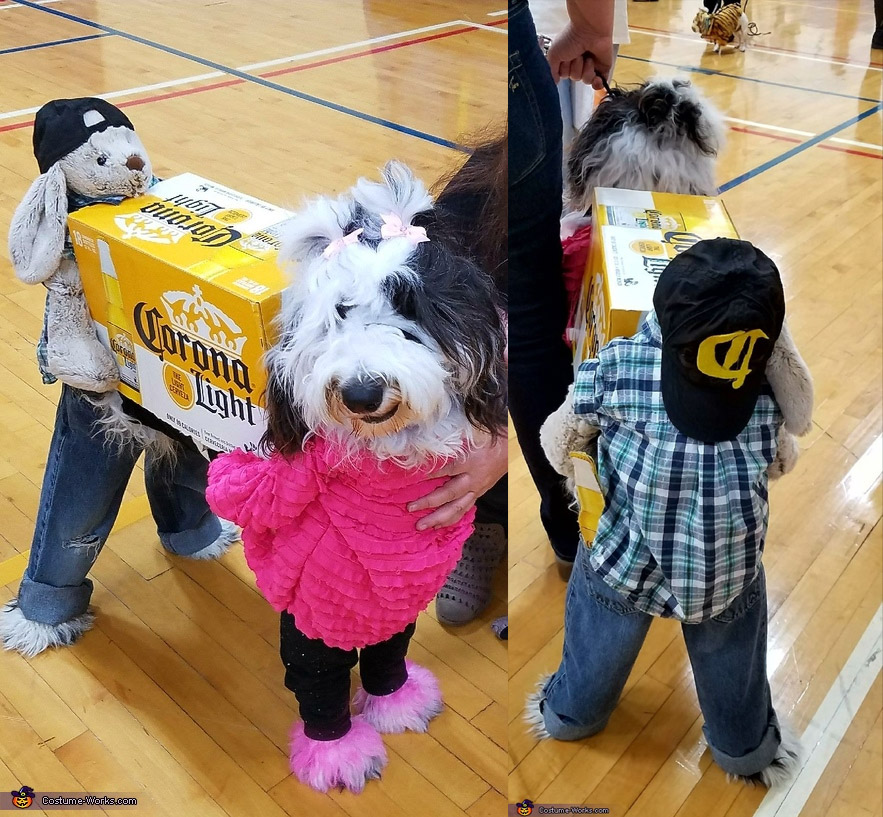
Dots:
pixel 720 307
pixel 62 125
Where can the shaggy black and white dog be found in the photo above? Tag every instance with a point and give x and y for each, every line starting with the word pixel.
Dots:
pixel 662 136
pixel 391 345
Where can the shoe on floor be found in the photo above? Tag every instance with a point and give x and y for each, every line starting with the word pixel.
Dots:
pixel 467 590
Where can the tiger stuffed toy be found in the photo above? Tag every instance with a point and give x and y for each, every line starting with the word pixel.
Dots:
pixel 728 24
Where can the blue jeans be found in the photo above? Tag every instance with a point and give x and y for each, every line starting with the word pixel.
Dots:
pixel 540 363
pixel 603 634
pixel 82 490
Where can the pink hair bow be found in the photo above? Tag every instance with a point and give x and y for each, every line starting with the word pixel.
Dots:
pixel 339 243
pixel 394 227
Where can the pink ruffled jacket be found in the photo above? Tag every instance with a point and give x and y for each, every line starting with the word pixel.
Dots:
pixel 330 539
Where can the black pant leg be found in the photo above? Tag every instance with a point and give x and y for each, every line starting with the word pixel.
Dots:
pixel 382 666
pixel 319 677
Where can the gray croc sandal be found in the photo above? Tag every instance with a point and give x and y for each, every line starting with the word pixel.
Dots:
pixel 467 590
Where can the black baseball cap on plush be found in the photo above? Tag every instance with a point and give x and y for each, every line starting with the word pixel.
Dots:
pixel 62 125
pixel 720 307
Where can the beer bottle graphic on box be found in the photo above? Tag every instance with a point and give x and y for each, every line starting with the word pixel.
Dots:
pixel 118 326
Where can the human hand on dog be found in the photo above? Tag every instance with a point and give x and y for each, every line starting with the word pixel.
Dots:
pixel 470 477
pixel 585 46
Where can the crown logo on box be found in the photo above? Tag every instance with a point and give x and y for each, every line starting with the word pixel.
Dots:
pixel 194 315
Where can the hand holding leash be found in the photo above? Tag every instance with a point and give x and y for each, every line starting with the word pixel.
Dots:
pixel 584 49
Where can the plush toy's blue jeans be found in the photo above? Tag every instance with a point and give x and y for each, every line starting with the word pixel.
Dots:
pixel 82 490
pixel 603 634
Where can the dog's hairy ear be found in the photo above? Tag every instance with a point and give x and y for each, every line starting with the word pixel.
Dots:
pixel 286 428
pixel 36 233
pixel 400 193
pixel 321 222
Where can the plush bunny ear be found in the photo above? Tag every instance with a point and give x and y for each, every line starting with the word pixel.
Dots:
pixel 36 234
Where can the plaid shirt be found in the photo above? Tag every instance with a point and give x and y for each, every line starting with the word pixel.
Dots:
pixel 683 526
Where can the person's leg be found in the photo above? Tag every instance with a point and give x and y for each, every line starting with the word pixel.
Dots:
pixel 176 492
pixel 603 634
pixel 467 590
pixel 83 487
pixel 728 656
pixel 877 38
pixel 540 363
pixel 328 747
pixel 396 694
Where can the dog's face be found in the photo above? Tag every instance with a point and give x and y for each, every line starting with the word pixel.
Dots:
pixel 386 346
pixel 662 136
pixel 113 162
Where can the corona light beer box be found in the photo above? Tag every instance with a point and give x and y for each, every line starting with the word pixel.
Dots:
pixel 182 285
pixel 634 235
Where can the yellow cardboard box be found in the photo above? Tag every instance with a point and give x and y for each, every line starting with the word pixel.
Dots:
pixel 634 236
pixel 182 285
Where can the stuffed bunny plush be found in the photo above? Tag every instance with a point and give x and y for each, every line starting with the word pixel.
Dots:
pixel 88 153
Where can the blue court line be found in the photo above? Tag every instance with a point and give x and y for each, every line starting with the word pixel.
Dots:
pixel 821 137
pixel 712 72
pixel 428 137
pixel 54 42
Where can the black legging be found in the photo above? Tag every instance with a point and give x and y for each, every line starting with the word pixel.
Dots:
pixel 319 676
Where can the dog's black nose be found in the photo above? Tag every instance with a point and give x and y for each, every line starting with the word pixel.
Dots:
pixel 135 163
pixel 363 396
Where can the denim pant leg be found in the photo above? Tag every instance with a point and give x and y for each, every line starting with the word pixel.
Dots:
pixel 540 363
pixel 603 634
pixel 83 487
pixel 176 492
pixel 728 655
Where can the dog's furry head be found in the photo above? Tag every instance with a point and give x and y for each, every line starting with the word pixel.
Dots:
pixel 662 136
pixel 384 343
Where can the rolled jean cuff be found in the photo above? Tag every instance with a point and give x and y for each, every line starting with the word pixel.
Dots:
pixel 188 542
pixel 567 729
pixel 47 604
pixel 754 761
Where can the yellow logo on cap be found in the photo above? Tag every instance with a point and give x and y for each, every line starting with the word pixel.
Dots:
pixel 706 357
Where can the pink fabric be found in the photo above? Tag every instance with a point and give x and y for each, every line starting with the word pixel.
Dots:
pixel 575 250
pixel 330 539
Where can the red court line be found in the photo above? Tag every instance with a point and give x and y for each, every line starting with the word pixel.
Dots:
pixel 773 50
pixel 782 138
pixel 850 150
pixel 769 135
pixel 302 67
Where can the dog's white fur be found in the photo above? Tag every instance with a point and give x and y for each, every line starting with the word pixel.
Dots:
pixel 661 159
pixel 319 349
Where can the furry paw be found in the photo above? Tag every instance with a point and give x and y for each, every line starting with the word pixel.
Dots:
pixel 412 706
pixel 229 535
pixel 533 709
pixel 783 766
pixel 787 452
pixel 30 638
pixel 346 763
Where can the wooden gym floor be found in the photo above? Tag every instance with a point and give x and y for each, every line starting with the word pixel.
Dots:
pixel 177 694
pixel 802 180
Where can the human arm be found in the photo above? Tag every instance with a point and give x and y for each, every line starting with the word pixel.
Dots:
pixel 585 47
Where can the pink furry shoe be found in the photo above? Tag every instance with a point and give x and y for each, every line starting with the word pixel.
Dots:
pixel 412 706
pixel 348 762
